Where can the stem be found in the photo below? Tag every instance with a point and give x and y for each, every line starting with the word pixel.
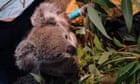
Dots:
pixel 129 53
pixel 123 58
pixel 126 47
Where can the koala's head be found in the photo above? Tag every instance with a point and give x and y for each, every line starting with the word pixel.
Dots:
pixel 48 13
pixel 50 44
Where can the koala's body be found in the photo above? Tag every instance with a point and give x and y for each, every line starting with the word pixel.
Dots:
pixel 50 46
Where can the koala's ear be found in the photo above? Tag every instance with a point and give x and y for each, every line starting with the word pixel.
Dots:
pixel 64 20
pixel 26 55
pixel 44 15
pixel 64 17
pixel 37 18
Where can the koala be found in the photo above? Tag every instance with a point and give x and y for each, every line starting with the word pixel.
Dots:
pixel 50 46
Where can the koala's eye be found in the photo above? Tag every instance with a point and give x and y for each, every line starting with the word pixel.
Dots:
pixel 66 37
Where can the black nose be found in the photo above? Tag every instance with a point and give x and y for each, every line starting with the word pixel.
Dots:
pixel 71 50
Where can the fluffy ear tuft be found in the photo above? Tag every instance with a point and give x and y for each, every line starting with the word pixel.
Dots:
pixel 38 18
pixel 45 14
pixel 26 55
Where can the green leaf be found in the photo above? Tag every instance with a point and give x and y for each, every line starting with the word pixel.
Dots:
pixel 97 43
pixel 117 42
pixel 135 69
pixel 36 77
pixel 93 69
pixel 104 57
pixel 137 4
pixel 96 19
pixel 79 52
pixel 139 42
pixel 82 30
pixel 126 7
pixel 124 72
pixel 126 68
pixel 104 3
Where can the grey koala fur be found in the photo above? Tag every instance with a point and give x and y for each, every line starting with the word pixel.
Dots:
pixel 50 46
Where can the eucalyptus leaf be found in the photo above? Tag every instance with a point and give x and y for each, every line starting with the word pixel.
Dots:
pixel 79 52
pixel 97 43
pixel 124 72
pixel 93 69
pixel 104 57
pixel 82 30
pixel 135 69
pixel 126 7
pixel 117 42
pixel 104 3
pixel 96 19
pixel 126 68
pixel 36 77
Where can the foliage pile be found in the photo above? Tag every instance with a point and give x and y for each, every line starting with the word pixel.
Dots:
pixel 108 57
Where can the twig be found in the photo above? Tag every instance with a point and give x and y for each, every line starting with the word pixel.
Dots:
pixel 126 47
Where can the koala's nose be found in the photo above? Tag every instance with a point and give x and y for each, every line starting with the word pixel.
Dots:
pixel 71 50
